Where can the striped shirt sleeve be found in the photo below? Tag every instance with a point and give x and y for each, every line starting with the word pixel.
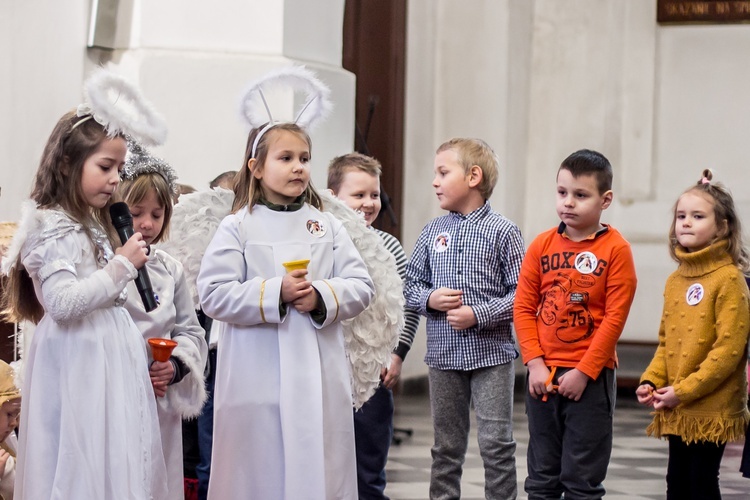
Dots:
pixel 411 317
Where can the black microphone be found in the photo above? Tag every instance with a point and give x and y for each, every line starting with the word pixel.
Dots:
pixel 123 222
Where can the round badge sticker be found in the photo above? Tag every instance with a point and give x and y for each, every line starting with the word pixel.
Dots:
pixel 694 294
pixel 586 262
pixel 316 228
pixel 442 242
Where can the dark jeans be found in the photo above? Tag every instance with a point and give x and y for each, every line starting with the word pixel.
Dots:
pixel 693 470
pixel 570 442
pixel 190 452
pixel 206 429
pixel 373 432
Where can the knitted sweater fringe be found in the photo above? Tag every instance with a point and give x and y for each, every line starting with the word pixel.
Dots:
pixel 695 429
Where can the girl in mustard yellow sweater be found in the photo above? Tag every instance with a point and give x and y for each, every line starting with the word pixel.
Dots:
pixel 697 381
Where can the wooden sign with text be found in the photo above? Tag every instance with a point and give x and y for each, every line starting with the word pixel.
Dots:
pixel 703 11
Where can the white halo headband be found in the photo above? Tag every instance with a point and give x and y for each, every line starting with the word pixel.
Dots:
pixel 119 107
pixel 255 111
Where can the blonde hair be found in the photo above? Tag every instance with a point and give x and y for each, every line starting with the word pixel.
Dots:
pixel 8 388
pixel 724 211
pixel 247 188
pixel 472 152
pixel 58 183
pixel 134 191
pixel 340 165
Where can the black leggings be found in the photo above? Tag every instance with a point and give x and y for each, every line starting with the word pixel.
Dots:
pixel 693 470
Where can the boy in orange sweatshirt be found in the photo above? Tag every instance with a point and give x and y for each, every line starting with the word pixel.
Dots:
pixel 574 292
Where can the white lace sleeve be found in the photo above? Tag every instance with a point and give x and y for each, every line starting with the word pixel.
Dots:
pixel 121 270
pixel 57 266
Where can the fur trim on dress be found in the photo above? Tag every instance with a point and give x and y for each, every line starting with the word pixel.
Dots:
pixel 188 395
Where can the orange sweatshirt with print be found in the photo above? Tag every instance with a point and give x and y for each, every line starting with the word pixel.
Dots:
pixel 573 298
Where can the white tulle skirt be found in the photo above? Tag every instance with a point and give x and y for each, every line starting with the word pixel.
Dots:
pixel 89 428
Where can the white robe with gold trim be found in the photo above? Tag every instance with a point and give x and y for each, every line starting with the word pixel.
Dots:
pixel 282 404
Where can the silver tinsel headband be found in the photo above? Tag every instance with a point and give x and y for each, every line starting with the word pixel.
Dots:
pixel 139 161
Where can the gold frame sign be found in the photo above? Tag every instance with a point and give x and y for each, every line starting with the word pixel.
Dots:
pixel 702 11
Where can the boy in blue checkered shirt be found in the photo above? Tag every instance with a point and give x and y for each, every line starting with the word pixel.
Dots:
pixel 462 276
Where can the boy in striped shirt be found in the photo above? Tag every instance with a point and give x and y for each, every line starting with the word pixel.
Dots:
pixel 355 179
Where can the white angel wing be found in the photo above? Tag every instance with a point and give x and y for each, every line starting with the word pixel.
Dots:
pixel 371 336
pixel 194 221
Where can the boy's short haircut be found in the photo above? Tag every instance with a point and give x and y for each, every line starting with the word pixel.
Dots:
pixel 340 165
pixel 472 152
pixel 588 162
pixel 225 180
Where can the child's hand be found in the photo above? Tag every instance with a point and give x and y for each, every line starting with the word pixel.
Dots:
pixel 645 394
pixel 665 398
pixel 306 303
pixel 391 374
pixel 161 373
pixel 461 318
pixel 4 455
pixel 134 250
pixel 572 384
pixel 294 286
pixel 538 375
pixel 445 299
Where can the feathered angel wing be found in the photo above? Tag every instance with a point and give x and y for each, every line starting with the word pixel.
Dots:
pixel 371 336
pixel 194 221
pixel 27 222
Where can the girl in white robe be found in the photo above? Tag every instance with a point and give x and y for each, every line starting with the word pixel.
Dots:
pixel 148 188
pixel 283 426
pixel 88 418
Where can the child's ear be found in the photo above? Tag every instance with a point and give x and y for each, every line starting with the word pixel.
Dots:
pixel 475 175
pixel 723 228
pixel 65 166
pixel 607 199
pixel 251 164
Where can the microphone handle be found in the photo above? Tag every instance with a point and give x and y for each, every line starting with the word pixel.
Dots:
pixel 143 284
pixel 142 281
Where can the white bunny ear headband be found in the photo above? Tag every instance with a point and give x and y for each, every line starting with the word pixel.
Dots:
pixel 254 107
pixel 139 161
pixel 119 107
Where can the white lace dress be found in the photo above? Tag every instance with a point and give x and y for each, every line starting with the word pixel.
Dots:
pixel 89 428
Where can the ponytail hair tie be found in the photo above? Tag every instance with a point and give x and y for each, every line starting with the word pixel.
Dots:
pixel 706 176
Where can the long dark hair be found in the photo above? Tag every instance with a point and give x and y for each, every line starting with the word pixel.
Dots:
pixel 58 184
